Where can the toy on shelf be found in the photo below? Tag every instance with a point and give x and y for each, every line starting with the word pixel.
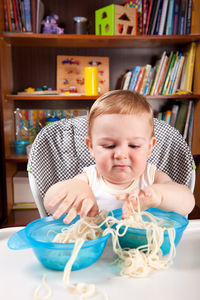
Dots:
pixel 116 20
pixel 50 25
pixel 43 90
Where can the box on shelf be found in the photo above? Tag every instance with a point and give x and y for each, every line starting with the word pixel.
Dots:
pixel 116 20
pixel 22 191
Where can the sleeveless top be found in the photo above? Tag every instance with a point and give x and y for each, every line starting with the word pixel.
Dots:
pixel 106 196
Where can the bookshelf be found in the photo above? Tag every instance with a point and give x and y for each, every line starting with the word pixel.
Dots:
pixel 28 59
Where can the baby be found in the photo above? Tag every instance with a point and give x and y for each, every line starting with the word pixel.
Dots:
pixel 120 139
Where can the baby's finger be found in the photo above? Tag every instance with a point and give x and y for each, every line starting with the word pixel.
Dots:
pixel 126 210
pixel 64 205
pixel 71 215
pixel 121 196
pixel 88 206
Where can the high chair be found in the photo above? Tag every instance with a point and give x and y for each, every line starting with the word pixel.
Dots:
pixel 59 152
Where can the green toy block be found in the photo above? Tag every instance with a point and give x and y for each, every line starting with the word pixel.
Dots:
pixel 116 20
pixel 105 20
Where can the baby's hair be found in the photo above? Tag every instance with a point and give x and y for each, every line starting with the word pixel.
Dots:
pixel 120 102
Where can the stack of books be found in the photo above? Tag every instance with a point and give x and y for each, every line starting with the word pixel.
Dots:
pixel 181 117
pixel 23 15
pixel 172 74
pixel 158 17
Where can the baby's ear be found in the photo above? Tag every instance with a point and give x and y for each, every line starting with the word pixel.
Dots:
pixel 151 145
pixel 88 143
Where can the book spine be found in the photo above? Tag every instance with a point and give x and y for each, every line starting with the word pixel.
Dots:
pixel 190 130
pixel 152 80
pixel 155 17
pixel 6 24
pixel 190 67
pixel 177 5
pixel 158 18
pixel 126 81
pixel 146 74
pixel 15 16
pixel 169 26
pixel 173 76
pixel 189 16
pixel 148 16
pixel 182 17
pixel 168 75
pixel 158 73
pixel 135 77
pixel 163 17
pixel 148 81
pixel 144 15
pixel 187 120
pixel 27 13
pixel 161 77
pixel 153 10
pixel 139 80
pixel 175 109
pixel 178 76
pixel 12 16
pixel 21 8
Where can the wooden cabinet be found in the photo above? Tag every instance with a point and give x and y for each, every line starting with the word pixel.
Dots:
pixel 28 59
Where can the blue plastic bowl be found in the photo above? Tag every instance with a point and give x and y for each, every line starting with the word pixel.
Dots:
pixel 56 255
pixel 135 237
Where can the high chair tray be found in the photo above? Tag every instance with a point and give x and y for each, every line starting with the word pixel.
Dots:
pixel 21 273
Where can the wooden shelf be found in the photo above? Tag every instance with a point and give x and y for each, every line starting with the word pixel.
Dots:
pixel 96 41
pixel 17 158
pixel 57 97
pixel 49 97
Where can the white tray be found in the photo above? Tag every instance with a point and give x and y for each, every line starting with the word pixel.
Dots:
pixel 21 273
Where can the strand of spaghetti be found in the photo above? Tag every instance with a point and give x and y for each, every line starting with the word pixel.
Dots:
pixel 37 290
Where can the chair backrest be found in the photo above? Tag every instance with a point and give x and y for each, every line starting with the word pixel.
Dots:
pixel 59 152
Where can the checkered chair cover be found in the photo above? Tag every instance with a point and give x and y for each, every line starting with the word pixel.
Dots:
pixel 59 152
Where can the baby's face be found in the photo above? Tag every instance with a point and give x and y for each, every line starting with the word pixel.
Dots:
pixel 121 145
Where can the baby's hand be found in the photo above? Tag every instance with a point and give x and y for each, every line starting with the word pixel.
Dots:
pixel 148 197
pixel 71 196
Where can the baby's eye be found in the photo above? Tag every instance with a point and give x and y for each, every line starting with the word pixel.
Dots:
pixel 109 146
pixel 134 146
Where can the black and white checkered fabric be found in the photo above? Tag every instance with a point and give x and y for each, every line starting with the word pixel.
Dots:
pixel 59 152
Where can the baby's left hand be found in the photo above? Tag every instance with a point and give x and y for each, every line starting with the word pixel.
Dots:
pixel 148 197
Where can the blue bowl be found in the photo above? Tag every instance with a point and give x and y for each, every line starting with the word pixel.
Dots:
pixel 135 237
pixel 56 255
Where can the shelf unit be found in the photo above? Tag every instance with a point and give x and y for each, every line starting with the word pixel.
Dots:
pixel 28 59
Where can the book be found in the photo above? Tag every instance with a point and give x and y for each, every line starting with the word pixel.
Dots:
pixel 190 67
pixel 163 17
pixel 183 74
pixel 174 72
pixel 39 15
pixel 175 109
pixel 21 8
pixel 189 17
pixel 160 64
pixel 134 77
pixel 177 6
pixel 167 78
pixel 166 71
pixel 155 69
pixel 170 25
pixel 147 69
pixel 139 79
pixel 155 17
pixel 18 15
pixel 145 6
pixel 148 16
pixel 161 76
pixel 151 20
pixel 181 29
pixel 33 14
pixel 190 129
pixel 178 76
pixel 168 114
pixel 15 15
pixel 147 85
pixel 6 22
pixel 27 14
pixel 181 118
pixel 187 119
pixel 158 18
pixel 12 16
pixel 126 80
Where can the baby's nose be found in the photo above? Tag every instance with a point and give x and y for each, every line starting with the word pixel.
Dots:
pixel 121 153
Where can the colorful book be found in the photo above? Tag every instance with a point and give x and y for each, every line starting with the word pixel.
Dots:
pixel 163 17
pixel 178 76
pixel 165 74
pixel 174 72
pixel 170 25
pixel 168 114
pixel 190 129
pixel 158 18
pixel 161 76
pixel 155 69
pixel 6 24
pixel 147 86
pixel 21 6
pixel 147 69
pixel 158 73
pixel 167 78
pixel 155 17
pixel 190 67
pixel 151 20
pixel 139 79
pixel 145 6
pixel 134 77
pixel 149 15
pixel 15 16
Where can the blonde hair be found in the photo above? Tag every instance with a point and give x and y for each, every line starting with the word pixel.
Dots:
pixel 120 102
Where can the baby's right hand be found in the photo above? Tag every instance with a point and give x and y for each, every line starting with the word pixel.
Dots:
pixel 71 196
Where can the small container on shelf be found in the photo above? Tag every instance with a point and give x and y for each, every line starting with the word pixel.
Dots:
pixel 20 146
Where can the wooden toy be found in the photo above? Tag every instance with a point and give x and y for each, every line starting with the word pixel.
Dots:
pixel 116 20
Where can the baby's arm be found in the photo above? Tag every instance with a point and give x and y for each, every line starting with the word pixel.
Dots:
pixel 71 196
pixel 164 194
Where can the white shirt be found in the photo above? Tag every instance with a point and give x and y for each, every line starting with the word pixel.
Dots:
pixel 106 196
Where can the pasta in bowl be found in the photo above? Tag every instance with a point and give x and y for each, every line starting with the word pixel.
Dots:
pixel 135 231
pixel 53 242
